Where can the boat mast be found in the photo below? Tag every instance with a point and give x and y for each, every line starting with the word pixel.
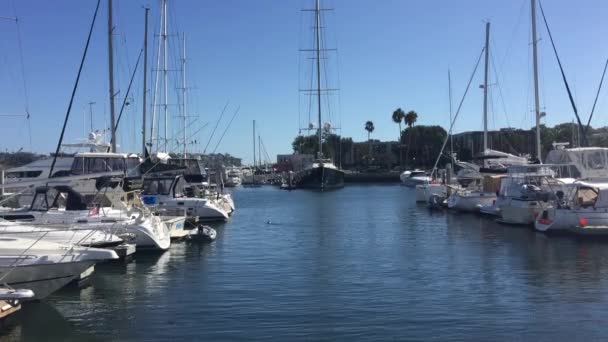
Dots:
pixel 450 99
pixel 143 128
pixel 318 53
pixel 111 72
pixel 165 71
pixel 154 99
pixel 535 64
pixel 485 89
pixel 184 93
pixel 254 161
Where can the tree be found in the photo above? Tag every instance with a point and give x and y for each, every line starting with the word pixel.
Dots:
pixel 369 127
pixel 410 119
pixel 398 116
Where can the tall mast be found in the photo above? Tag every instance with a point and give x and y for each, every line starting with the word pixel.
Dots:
pixel 111 71
pixel 485 89
pixel 318 52
pixel 450 99
pixel 143 128
pixel 260 150
pixel 184 92
pixel 254 161
pixel 154 127
pixel 165 71
pixel 535 64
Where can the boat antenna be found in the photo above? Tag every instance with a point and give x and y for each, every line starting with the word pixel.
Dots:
pixel 67 114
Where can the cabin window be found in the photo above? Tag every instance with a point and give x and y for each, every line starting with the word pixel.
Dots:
pixel 164 186
pixel 116 164
pixel 133 167
pixel 98 165
pixel 586 197
pixel 78 166
pixel 595 160
pixel 14 174
pixel 150 187
pixel 44 200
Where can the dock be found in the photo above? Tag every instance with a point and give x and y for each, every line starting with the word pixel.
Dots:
pixel 7 309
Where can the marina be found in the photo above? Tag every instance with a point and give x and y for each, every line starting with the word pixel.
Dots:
pixel 389 270
pixel 176 182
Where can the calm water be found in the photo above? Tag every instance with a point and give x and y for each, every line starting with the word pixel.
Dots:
pixel 361 263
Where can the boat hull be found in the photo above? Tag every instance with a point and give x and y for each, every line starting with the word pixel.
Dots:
pixel 520 211
pixel 470 201
pixel 561 220
pixel 43 279
pixel 319 178
pixel 425 191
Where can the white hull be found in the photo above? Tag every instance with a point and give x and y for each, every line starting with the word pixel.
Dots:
pixel 516 211
pixel 43 279
pixel 562 220
pixel 470 201
pixel 425 191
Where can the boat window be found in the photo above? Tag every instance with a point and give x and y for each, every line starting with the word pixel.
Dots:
pixel 179 188
pixel 44 200
pixel 164 186
pixel 150 187
pixel 14 174
pixel 97 165
pixel 594 160
pixel 77 166
pixel 133 167
pixel 116 164
pixel 586 197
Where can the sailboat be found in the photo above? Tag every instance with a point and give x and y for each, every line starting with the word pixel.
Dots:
pixel 322 174
pixel 494 162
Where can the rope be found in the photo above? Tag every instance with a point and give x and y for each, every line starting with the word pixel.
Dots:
pixel 596 97
pixel 226 129
pixel 127 94
pixel 216 124
pixel 580 125
pixel 445 141
pixel 67 114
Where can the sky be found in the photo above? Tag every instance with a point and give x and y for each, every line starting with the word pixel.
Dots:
pixel 244 53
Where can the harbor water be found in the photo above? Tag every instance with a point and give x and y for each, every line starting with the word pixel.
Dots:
pixel 360 263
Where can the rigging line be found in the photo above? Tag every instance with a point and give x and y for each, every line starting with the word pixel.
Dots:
pixel 498 83
pixel 216 124
pixel 445 141
pixel 127 94
pixel 67 114
pixel 226 129
pixel 22 64
pixel 513 33
pixel 597 95
pixel 580 125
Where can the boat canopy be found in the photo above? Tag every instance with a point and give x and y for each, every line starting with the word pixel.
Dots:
pixel 589 162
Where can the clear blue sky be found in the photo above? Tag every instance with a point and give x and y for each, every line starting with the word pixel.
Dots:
pixel 392 53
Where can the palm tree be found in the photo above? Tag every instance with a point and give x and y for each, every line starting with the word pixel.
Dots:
pixel 410 119
pixel 369 127
pixel 398 116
